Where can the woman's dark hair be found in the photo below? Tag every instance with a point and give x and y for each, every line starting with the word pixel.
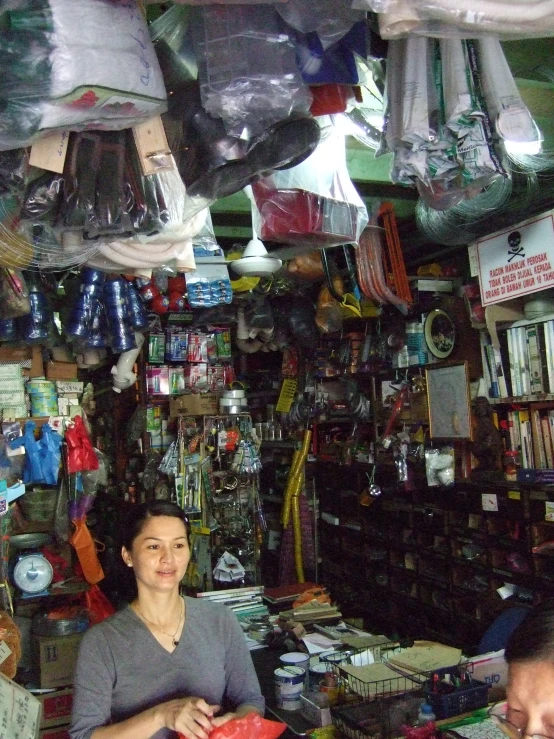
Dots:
pixel 533 639
pixel 138 516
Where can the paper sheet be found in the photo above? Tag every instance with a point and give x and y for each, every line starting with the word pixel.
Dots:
pixel 486 729
pixel 425 656
pixel 20 712
pixel 317 643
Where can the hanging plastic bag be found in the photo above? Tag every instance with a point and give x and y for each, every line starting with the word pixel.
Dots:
pixel 97 605
pixel 329 19
pixel 85 548
pixel 314 202
pixel 71 64
pixel 251 726
pixel 80 453
pixel 247 67
pixel 32 470
pixel 50 454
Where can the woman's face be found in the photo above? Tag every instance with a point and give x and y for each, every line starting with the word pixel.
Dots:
pixel 159 554
pixel 530 695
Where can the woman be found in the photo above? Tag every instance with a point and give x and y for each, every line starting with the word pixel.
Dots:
pixel 164 663
pixel 530 692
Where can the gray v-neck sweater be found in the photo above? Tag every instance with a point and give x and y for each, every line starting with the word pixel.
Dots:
pixel 123 670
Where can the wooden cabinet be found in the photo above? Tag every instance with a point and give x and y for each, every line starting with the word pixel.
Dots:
pixel 430 563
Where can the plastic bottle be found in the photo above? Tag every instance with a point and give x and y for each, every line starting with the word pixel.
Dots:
pixel 425 714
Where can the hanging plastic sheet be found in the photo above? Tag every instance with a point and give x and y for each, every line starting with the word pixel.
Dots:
pixel 314 202
pixel 72 64
pixel 462 18
pixel 247 67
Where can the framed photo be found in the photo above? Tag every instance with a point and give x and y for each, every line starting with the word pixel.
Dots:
pixel 448 401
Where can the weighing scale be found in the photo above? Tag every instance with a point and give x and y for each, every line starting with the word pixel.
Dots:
pixel 30 571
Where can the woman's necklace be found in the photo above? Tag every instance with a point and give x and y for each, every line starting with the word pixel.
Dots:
pixel 174 641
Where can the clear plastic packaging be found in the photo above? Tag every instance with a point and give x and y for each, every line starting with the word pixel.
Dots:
pixel 314 202
pixel 71 64
pixel 330 19
pixel 466 18
pixel 247 66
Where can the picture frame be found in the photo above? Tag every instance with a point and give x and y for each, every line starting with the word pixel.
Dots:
pixel 448 400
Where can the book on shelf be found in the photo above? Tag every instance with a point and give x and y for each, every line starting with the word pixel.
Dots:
pixel 524 355
pixel 547 438
pixel 539 450
pixel 535 362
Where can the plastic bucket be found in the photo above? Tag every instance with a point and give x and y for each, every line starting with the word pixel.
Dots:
pixel 289 684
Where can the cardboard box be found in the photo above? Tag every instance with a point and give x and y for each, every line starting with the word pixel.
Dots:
pixel 61 371
pixel 203 404
pixel 32 354
pixel 491 668
pixel 58 732
pixel 56 707
pixel 56 657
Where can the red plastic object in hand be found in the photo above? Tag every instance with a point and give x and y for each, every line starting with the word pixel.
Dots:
pixel 248 727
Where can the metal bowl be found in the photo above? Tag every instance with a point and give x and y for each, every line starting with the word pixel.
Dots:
pixel 29 541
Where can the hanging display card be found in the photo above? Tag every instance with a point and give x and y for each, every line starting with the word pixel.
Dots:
pixel 20 712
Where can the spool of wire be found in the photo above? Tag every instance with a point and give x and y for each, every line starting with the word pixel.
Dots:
pixel 91 276
pixel 136 314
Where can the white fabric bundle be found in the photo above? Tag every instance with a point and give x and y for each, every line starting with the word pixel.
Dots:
pixel 464 18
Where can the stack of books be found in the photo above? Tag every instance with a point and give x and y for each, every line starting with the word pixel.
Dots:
pixel 245 603
pixel 312 614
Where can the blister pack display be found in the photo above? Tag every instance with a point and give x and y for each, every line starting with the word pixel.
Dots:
pixel 72 64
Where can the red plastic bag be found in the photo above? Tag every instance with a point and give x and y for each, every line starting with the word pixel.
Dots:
pixel 248 727
pixel 80 454
pixel 97 605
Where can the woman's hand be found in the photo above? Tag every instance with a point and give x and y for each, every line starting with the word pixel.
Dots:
pixel 192 717
pixel 220 720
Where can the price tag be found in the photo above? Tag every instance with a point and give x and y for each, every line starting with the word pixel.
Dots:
pixel 49 152
pixel 514 495
pixel 489 502
pixel 549 510
pixel 152 146
pixel 5 651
